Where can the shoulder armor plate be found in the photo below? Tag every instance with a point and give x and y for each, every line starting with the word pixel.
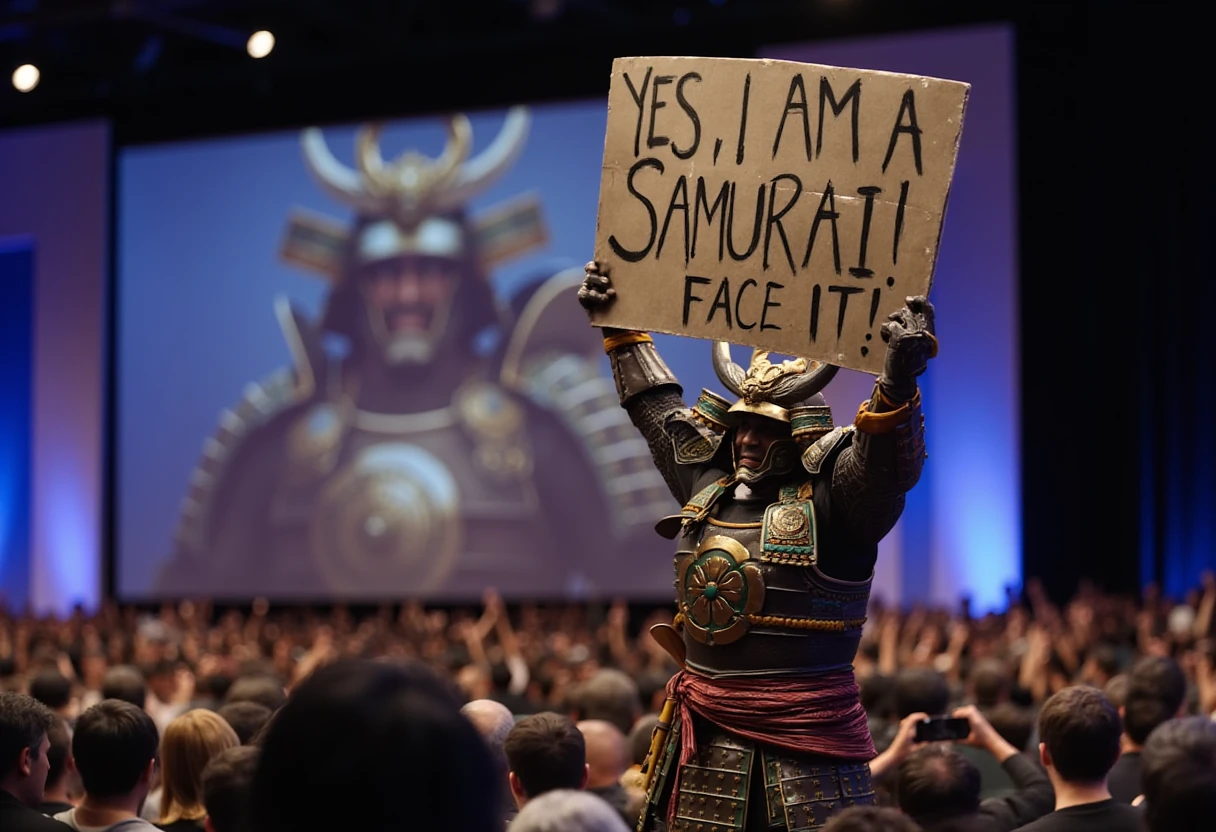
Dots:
pixel 262 402
pixel 572 388
pixel 814 457
pixel 693 441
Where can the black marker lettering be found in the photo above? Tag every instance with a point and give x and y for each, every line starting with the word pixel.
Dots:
pixel 874 296
pixel 774 218
pixel 747 88
pixel 769 304
pixel 719 204
pixel 655 105
pixel 721 301
pixel 844 292
pixel 730 224
pixel 908 107
pixel 739 299
pixel 799 106
pixel 816 294
pixel 899 219
pixel 640 254
pixel 827 98
pixel 638 98
pixel 860 270
pixel 827 211
pixel 691 280
pixel 679 202
pixel 682 100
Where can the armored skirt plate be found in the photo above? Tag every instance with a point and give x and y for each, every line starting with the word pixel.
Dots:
pixel 719 586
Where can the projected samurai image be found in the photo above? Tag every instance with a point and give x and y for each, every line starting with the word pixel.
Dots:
pixel 450 443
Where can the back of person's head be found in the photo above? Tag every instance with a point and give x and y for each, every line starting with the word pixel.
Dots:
pixel 937 782
pixel 114 745
pixel 494 721
pixel 567 810
pixel 190 741
pixel 871 819
pixel 24 722
pixel 877 694
pixel 227 785
pixel 640 737
pixel 1080 732
pixel 1156 689
pixel 125 684
pixel 500 677
pixel 213 687
pixel 920 690
pixel 1179 771
pixel 51 688
pixel 1116 691
pixel 58 752
pixel 1013 723
pixel 246 718
pixel 609 695
pixel 1106 659
pixel 990 683
pixel 265 690
pixel 372 746
pixel 607 752
pixel 546 752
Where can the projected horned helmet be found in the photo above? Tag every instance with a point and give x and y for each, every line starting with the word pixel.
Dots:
pixel 410 217
pixel 789 393
pixel 414 203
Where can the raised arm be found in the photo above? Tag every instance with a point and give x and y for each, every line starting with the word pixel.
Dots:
pixel 884 461
pixel 649 391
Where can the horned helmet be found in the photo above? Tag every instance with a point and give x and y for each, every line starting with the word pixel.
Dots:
pixel 414 209
pixel 788 393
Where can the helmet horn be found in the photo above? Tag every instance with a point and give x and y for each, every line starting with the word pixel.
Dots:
pixel 729 373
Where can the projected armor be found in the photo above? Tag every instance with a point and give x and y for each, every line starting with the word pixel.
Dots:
pixel 776 545
pixel 462 442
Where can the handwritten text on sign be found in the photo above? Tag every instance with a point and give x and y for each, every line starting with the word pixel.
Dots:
pixel 780 205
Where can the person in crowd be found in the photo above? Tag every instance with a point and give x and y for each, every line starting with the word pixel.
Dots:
pixel 189 743
pixel 166 698
pixel 1156 693
pixel 125 684
pixel 374 747
pixel 53 689
pixel 1080 734
pixel 545 752
pixel 264 689
pixel 610 695
pixel 228 787
pixel 246 718
pixel 567 810
pixel 634 779
pixel 1179 773
pixel 61 772
pixel 940 788
pixel 607 760
pixel 871 819
pixel 115 746
pixel 24 724
pixel 494 721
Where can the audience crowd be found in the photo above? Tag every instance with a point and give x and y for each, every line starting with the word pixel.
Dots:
pixel 1094 715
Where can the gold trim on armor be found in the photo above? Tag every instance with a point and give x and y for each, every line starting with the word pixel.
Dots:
pixel 719 587
pixel 817 624
pixel 879 423
pixel 725 525
pixel 625 339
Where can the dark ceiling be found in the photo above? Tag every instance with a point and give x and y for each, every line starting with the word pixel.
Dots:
pixel 170 68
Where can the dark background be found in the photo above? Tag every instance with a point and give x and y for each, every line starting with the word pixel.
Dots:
pixel 1119 467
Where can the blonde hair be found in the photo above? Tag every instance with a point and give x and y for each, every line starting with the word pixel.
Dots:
pixel 190 742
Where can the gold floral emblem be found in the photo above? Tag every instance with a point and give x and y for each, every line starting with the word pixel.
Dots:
pixel 719 588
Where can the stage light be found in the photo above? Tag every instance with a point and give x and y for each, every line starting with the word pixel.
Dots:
pixel 26 77
pixel 260 43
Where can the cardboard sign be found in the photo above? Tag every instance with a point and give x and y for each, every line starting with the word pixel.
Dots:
pixel 780 205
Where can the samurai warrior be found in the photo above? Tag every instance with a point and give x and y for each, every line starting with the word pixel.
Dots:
pixel 450 447
pixel 776 547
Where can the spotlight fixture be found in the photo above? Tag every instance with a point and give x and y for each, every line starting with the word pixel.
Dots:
pixel 260 44
pixel 26 77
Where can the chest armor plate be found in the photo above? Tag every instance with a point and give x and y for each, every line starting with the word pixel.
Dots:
pixel 416 500
pixel 751 595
